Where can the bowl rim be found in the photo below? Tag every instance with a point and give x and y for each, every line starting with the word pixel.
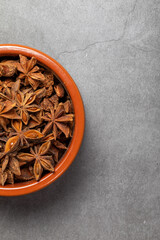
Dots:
pixel 69 156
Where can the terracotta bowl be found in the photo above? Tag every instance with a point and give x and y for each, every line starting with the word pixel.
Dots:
pixel 67 159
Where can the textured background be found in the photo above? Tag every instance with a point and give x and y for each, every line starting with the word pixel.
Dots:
pixel 112 50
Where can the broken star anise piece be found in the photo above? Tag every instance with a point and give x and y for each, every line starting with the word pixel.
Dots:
pixel 46 104
pixel 49 79
pixel 8 68
pixel 54 100
pixel 48 83
pixel 59 90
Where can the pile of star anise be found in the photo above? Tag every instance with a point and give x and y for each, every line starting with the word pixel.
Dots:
pixel 36 119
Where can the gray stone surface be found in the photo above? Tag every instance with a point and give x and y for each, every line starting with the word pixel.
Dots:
pixel 112 50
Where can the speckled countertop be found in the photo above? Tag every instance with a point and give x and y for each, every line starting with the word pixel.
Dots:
pixel 112 50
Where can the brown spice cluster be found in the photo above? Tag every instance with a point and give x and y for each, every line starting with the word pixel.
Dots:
pixel 36 120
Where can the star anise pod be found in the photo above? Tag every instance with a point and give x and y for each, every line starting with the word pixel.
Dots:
pixel 48 103
pixel 42 161
pixel 26 174
pixel 67 106
pixel 8 157
pixel 7 112
pixel 10 176
pixel 35 119
pixel 5 84
pixel 11 162
pixel 30 72
pixel 9 93
pixel 22 101
pixel 23 136
pixel 56 146
pixel 40 93
pixel 24 105
pixel 3 177
pixel 6 176
pixel 57 119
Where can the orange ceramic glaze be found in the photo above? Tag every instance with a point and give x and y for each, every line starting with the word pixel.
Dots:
pixel 67 159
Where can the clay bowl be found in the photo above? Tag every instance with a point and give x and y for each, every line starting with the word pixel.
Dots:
pixel 67 159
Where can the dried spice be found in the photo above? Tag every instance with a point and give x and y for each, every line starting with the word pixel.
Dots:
pixel 59 90
pixel 7 68
pixel 30 72
pixel 36 120
pixel 42 161
pixel 57 119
